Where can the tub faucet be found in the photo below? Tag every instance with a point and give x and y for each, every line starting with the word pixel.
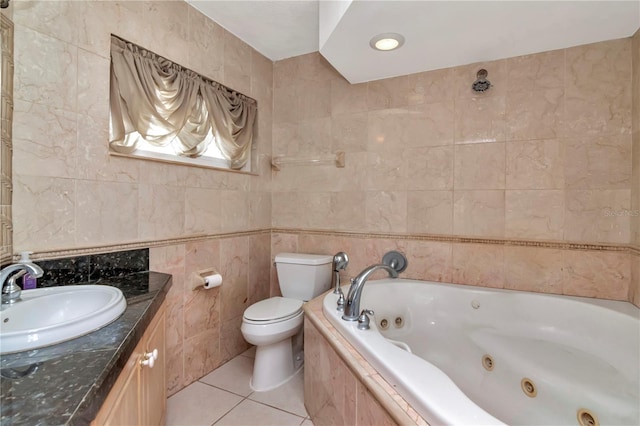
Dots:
pixel 352 306
pixel 11 291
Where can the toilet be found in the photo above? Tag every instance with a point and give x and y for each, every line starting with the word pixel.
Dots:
pixel 274 325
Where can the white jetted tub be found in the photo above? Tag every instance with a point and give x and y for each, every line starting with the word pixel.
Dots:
pixel 464 355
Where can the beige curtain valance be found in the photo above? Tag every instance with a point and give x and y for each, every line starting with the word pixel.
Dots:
pixel 166 104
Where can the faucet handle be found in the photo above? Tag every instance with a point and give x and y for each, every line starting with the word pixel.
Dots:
pixel 340 302
pixel 363 319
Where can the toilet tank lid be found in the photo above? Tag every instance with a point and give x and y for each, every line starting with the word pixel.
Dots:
pixel 304 259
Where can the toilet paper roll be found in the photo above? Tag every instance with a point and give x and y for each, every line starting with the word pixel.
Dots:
pixel 211 281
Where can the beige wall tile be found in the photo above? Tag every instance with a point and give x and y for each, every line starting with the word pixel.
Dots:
pixel 430 124
pixel 535 164
pixel 231 341
pixel 534 214
pixel 234 265
pixel 478 264
pixel 480 166
pixel 478 213
pixel 346 98
pixel 429 260
pixel 605 275
pixel 480 119
pixel 349 132
pixel 540 71
pixel 535 115
pixel 429 168
pixel 206 45
pixel 93 85
pixel 58 19
pixel 368 409
pixel 533 269
pixel 430 212
pixel 167 28
pixel 386 211
pixel 161 211
pixel 634 285
pixel 597 215
pixel 388 93
pixel 259 267
pixel 431 86
pixel 598 162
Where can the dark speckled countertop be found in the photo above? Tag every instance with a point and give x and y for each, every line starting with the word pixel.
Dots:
pixel 68 382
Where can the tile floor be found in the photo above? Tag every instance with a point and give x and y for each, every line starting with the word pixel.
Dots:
pixel 224 397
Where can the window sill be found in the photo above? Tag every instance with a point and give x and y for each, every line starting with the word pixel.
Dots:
pixel 159 158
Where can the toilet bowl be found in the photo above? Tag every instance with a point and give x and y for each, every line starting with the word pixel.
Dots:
pixel 274 325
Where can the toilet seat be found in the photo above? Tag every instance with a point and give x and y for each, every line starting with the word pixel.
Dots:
pixel 274 309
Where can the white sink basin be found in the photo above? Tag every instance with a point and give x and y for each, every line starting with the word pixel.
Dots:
pixel 46 316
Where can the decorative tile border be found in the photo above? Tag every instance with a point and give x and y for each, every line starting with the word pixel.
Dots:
pixel 563 245
pixel 110 248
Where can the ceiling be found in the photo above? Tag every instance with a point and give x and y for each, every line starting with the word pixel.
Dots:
pixel 439 34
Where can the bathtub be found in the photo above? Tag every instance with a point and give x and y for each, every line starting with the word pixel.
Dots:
pixel 463 355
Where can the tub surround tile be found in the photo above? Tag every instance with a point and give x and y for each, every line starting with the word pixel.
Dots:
pixel 479 264
pixel 431 86
pixel 540 71
pixel 535 115
pixel 597 215
pixel 430 212
pixel 430 261
pixel 430 124
pixel 533 269
pixel 535 164
pixel 369 411
pixel 388 93
pixel 634 285
pixel 430 168
pixel 481 119
pixel 479 166
pixel 479 213
pixel 534 214
pixel 596 274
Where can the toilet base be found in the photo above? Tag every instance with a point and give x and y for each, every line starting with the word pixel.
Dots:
pixel 273 366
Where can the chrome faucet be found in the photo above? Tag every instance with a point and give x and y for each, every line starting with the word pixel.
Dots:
pixel 352 306
pixel 340 261
pixel 10 290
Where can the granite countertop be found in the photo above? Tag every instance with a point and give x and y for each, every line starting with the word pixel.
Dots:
pixel 68 382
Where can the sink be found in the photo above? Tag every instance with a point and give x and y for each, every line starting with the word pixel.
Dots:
pixel 46 316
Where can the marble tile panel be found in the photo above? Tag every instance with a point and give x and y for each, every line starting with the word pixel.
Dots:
pixel 535 114
pixel 534 214
pixel 201 355
pixel 231 341
pixel 174 369
pixel 346 212
pixel 259 210
pixel 603 162
pixel 93 85
pixel 201 211
pixel 599 215
pixel 44 212
pixel 598 88
pixel 539 71
pixel 368 409
pixel 431 86
pixel 430 212
pixel 163 173
pixel 386 211
pixel 635 83
pixel 478 213
pixel 479 166
pixel 167 30
pixel 300 209
pixel 106 212
pixel 285 104
pixel 388 93
pixel 234 268
pixel 234 78
pixel 385 170
pixel 58 19
pixel 386 129
pixel 430 124
pixel 160 211
pixel 99 19
pixel 303 69
pixel 233 210
pixel 314 100
pixel 533 269
pixel 259 267
pixel 347 98
pixel 480 119
pixel 206 45
pixel 479 264
pixel 429 260
pixel 605 275
pixel 44 140
pixel 201 307
pixel 429 168
pixel 314 135
pixel 349 132
pixel 634 285
pixel 535 164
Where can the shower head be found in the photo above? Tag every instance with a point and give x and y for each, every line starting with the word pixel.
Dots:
pixel 481 84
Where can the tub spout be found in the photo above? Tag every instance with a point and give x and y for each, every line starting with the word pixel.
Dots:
pixel 352 305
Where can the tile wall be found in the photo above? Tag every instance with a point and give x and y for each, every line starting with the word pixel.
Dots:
pixel 634 291
pixel 70 194
pixel 499 189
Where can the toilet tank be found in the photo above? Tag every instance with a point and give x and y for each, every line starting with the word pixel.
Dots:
pixel 303 276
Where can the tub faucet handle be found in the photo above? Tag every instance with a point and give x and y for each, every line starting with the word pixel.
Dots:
pixel 363 319
pixel 340 302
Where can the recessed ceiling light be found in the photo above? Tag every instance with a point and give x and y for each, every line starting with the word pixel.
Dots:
pixel 387 41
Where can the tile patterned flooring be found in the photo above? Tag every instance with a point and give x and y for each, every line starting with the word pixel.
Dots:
pixel 223 397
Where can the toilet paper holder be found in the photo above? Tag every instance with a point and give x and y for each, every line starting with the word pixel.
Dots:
pixel 206 278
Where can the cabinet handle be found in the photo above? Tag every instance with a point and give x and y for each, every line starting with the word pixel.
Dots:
pixel 149 358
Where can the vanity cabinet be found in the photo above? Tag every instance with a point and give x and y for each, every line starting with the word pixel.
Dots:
pixel 138 396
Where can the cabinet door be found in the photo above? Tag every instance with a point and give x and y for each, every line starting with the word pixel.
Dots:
pixel 153 379
pixel 122 406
